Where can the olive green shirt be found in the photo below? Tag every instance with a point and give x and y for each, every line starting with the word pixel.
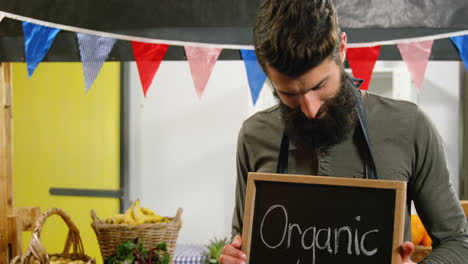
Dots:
pixel 406 147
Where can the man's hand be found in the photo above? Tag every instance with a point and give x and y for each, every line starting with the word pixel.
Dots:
pixel 406 250
pixel 232 254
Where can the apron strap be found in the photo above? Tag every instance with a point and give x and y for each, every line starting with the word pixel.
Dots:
pixel 370 168
pixel 282 165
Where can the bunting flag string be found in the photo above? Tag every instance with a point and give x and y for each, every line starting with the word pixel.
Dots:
pixel 125 37
pixel 94 50
pixel 255 74
pixel 148 57
pixel 37 42
pixel 461 42
pixel 96 45
pixel 222 46
pixel 416 56
pixel 362 62
pixel 201 62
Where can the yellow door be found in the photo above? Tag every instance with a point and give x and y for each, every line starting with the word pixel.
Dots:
pixel 65 138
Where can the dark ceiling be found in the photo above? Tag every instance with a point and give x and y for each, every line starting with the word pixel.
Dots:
pixel 224 22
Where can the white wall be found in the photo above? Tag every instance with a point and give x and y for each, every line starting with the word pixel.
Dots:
pixel 181 150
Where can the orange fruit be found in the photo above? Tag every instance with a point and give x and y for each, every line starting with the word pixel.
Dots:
pixel 426 240
pixel 417 230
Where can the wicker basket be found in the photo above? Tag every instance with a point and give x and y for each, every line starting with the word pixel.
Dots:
pixel 420 252
pixel 36 251
pixel 110 236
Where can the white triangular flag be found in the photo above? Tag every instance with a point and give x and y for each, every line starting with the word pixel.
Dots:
pixel 93 51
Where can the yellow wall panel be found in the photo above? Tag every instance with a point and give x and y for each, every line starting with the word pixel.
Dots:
pixel 66 138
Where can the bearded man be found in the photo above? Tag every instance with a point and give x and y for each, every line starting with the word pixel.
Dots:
pixel 324 126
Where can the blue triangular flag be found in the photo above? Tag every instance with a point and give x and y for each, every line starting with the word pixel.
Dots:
pixel 255 74
pixel 462 45
pixel 93 51
pixel 37 42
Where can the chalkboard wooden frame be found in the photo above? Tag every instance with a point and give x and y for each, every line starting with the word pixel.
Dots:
pixel 398 186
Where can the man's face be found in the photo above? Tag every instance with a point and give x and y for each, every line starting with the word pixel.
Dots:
pixel 318 106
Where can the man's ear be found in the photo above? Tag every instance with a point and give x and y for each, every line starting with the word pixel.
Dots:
pixel 343 47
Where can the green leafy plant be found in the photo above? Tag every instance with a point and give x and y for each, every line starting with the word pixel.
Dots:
pixel 214 250
pixel 132 252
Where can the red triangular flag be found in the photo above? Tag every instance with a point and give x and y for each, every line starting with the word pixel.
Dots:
pixel 362 62
pixel 416 55
pixel 148 57
pixel 201 62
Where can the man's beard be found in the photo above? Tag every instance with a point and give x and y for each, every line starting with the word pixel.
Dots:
pixel 332 128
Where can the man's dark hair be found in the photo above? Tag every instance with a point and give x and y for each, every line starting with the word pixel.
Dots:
pixel 294 36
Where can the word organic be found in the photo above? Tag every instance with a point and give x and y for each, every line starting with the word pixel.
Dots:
pixel 313 239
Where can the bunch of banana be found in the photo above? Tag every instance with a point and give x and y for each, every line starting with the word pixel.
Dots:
pixel 127 218
pixel 144 215
pixel 137 216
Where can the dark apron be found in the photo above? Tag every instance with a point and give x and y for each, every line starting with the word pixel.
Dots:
pixel 370 169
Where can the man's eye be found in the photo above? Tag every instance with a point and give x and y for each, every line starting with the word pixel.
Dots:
pixel 290 95
pixel 320 87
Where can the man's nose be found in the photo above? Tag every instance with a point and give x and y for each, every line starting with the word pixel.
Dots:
pixel 310 104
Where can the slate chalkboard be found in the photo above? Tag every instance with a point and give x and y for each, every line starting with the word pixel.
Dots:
pixel 310 219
